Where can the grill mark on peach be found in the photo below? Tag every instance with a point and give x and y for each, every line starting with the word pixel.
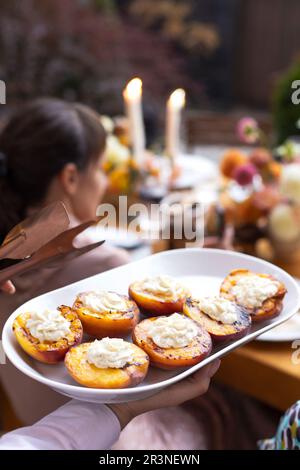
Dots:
pixel 100 316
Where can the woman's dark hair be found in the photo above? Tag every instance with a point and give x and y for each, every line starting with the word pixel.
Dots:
pixel 36 143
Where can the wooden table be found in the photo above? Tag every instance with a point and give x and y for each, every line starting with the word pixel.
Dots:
pixel 264 371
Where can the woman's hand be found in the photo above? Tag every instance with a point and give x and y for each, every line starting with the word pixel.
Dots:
pixel 8 287
pixel 189 388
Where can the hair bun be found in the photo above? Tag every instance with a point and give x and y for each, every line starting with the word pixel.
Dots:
pixel 3 164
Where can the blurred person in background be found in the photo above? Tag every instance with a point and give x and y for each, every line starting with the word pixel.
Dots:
pixel 50 150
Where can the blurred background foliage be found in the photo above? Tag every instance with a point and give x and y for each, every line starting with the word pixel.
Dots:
pixel 175 21
pixel 86 50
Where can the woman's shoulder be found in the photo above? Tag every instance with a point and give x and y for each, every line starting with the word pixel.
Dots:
pixel 109 256
pixel 94 262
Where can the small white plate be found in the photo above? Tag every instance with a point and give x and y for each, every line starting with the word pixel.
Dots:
pixel 202 270
pixel 287 331
pixel 195 170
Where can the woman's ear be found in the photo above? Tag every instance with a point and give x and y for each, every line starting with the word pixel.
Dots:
pixel 69 179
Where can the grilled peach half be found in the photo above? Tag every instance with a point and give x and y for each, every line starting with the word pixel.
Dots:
pixel 172 358
pixel 270 307
pixel 48 352
pixel 157 304
pixel 91 376
pixel 111 323
pixel 219 331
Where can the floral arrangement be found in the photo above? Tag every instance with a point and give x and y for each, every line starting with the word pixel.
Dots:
pixel 262 192
pixel 123 171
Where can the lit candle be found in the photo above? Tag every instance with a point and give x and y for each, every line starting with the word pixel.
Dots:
pixel 133 103
pixel 175 105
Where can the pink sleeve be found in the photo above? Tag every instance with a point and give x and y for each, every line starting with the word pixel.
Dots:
pixel 74 426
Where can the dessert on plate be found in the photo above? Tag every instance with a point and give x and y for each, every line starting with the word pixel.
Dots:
pixel 260 294
pixel 105 313
pixel 159 295
pixel 107 363
pixel 172 341
pixel 48 335
pixel 223 319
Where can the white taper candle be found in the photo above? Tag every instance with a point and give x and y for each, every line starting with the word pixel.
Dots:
pixel 133 103
pixel 175 105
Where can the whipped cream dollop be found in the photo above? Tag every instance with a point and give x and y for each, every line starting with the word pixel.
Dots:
pixel 103 300
pixel 109 353
pixel 162 285
pixel 174 331
pixel 253 290
pixel 219 308
pixel 49 325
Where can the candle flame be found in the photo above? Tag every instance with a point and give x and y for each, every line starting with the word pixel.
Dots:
pixel 177 98
pixel 133 89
